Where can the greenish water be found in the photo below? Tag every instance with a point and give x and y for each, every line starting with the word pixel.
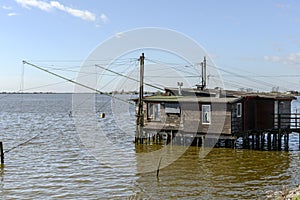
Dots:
pixel 223 174
pixel 57 165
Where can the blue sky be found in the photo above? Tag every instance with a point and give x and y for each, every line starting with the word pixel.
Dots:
pixel 257 39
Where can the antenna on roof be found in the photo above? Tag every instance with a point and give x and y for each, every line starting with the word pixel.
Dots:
pixel 180 84
pixel 203 66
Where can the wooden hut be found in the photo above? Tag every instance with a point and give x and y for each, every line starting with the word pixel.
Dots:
pixel 214 112
pixel 254 112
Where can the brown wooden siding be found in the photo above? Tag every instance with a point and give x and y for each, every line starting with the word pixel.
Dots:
pixel 259 113
pixel 190 119
pixel 237 123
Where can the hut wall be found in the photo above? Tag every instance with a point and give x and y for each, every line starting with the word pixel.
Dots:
pixel 220 118
pixel 191 117
pixel 256 113
pixel 237 119
pixel 259 113
pixel 264 114
pixel 165 121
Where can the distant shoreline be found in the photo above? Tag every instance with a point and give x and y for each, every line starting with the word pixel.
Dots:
pixel 109 93
pixel 294 93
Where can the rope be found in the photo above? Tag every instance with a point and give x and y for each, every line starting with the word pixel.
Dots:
pixel 70 80
pixel 21 144
pixel 153 86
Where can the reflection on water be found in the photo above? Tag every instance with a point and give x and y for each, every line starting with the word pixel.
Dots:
pixel 223 174
pixel 57 165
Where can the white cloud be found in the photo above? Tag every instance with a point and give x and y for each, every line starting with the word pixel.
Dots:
pixel 6 7
pixel 34 3
pixel 293 58
pixel 272 58
pixel 83 14
pixel 104 18
pixel 290 59
pixel 12 14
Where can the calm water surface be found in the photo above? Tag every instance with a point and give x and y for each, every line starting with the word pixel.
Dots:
pixel 56 165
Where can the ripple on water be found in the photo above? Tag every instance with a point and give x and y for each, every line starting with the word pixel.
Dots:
pixel 56 165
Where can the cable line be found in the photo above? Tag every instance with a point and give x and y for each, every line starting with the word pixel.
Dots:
pixel 77 83
pixel 246 77
pixel 153 86
pixel 23 143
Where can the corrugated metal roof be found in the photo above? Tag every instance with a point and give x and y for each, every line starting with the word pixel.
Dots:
pixel 190 99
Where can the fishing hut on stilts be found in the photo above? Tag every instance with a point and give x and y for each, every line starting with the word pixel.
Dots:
pixel 260 120
pixel 189 115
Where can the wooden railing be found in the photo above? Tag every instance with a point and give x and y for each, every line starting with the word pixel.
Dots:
pixel 287 120
pixel 281 121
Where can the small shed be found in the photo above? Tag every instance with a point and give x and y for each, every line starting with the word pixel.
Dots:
pixel 254 112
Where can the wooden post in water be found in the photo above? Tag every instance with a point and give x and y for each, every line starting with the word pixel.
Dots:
pixel 257 142
pixel 279 139
pixel 2 154
pixel 140 113
pixel 279 132
pixel 252 135
pixel 269 140
pixel 262 139
pixel 234 143
pixel 246 140
pixel 286 140
pixel 274 142
pixel 171 137
pixel 228 143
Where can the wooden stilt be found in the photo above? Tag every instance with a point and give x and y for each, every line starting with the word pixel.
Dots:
pixel 202 141
pixel 286 141
pixel 274 142
pixel 247 140
pixel 262 140
pixel 269 140
pixel 287 137
pixel 257 142
pixel 252 135
pixel 234 143
pixel 226 143
pixel 2 154
pixel 279 139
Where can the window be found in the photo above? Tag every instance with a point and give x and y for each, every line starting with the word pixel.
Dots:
pixel 206 114
pixel 239 109
pixel 153 111
pixel 172 108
